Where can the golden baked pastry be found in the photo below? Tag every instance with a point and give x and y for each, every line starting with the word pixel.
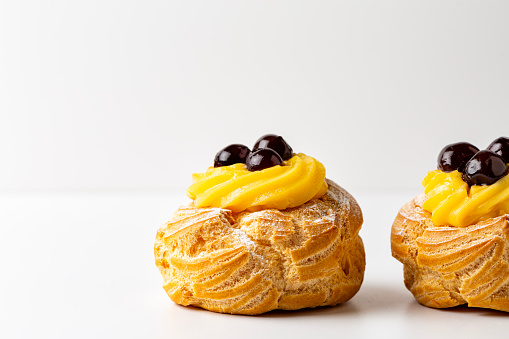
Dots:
pixel 453 240
pixel 253 262
pixel 447 266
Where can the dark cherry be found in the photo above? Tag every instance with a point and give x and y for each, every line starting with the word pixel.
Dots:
pixel 231 154
pixel 455 156
pixel 501 147
pixel 485 168
pixel 262 159
pixel 275 142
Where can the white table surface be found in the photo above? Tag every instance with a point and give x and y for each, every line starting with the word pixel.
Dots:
pixel 80 265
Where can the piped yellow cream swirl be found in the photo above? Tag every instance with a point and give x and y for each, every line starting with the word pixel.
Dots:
pixel 297 181
pixel 452 202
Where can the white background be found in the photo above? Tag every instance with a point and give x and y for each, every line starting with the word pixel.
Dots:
pixel 140 94
pixel 107 107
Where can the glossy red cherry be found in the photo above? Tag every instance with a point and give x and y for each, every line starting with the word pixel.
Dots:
pixel 500 146
pixel 484 168
pixel 275 142
pixel 262 159
pixel 231 154
pixel 455 156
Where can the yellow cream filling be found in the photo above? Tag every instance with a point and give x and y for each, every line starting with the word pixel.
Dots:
pixel 297 181
pixel 452 202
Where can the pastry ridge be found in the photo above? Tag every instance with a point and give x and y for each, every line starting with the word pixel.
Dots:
pixel 446 266
pixel 254 262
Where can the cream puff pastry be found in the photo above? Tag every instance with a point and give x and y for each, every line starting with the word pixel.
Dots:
pixel 453 240
pixel 280 237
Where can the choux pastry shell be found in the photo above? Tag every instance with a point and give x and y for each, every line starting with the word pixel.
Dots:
pixel 255 262
pixel 446 266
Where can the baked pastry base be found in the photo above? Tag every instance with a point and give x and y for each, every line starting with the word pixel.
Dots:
pixel 254 262
pixel 447 266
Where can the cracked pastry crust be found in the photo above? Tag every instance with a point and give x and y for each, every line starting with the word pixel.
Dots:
pixel 447 266
pixel 255 262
